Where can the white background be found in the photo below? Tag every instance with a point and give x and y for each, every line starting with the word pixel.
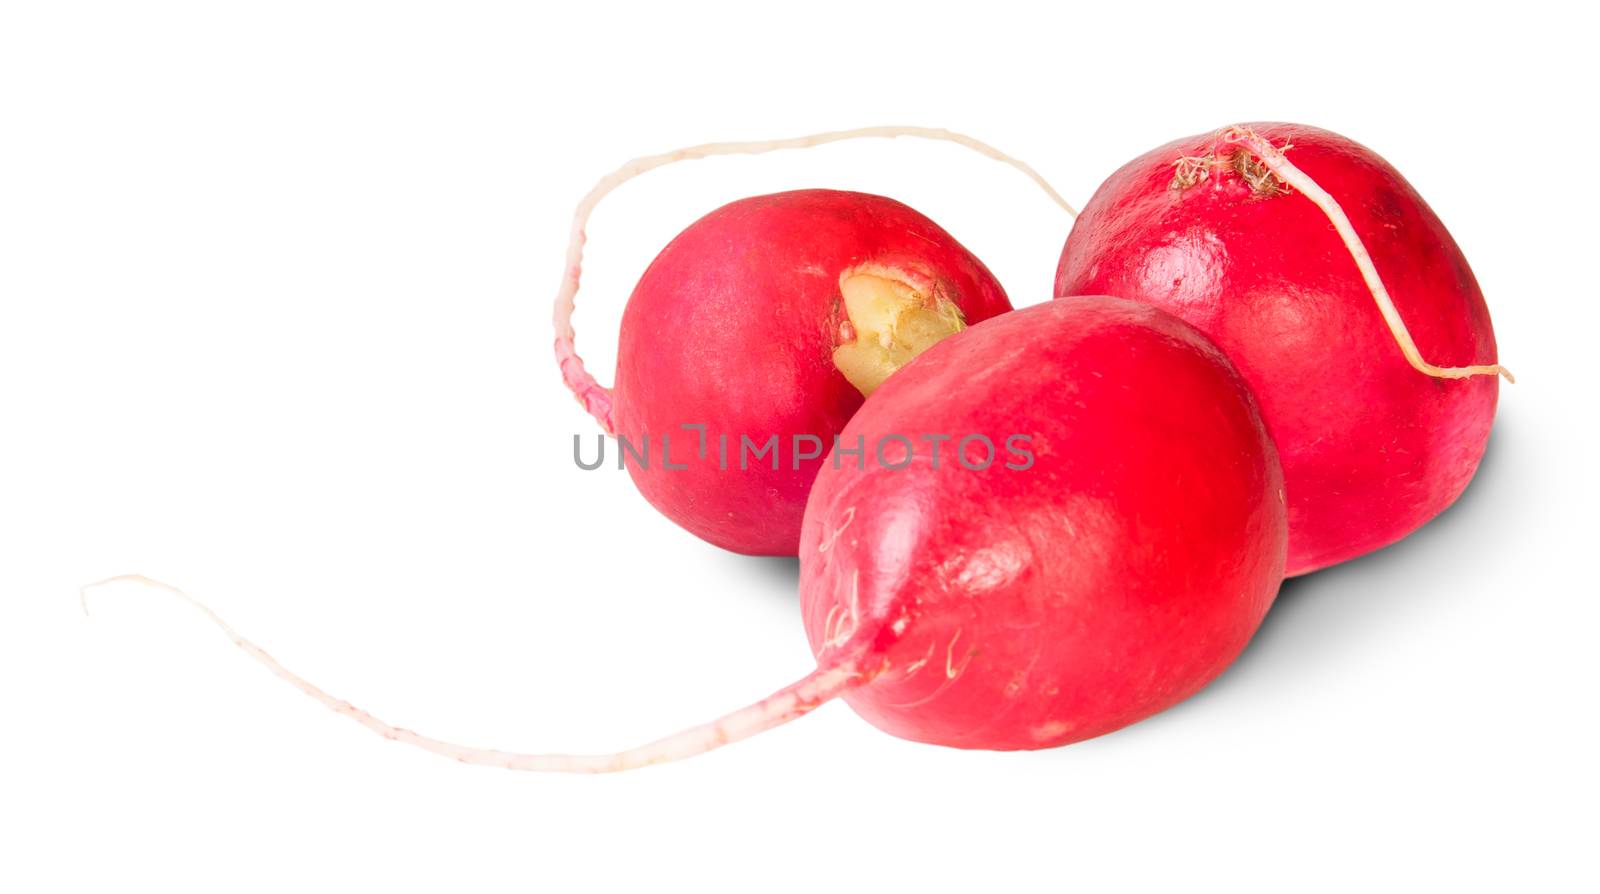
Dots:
pixel 276 287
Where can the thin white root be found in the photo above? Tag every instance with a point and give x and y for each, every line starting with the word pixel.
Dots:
pixel 596 398
pixel 796 700
pixel 1286 171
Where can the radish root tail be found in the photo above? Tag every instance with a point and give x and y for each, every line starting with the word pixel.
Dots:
pixel 596 398
pixel 833 678
pixel 1285 170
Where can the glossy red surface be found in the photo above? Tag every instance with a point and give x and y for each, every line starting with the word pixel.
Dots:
pixel 733 327
pixel 1027 608
pixel 1371 448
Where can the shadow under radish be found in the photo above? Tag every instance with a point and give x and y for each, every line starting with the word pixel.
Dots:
pixel 1323 617
pixel 783 572
pixel 1318 616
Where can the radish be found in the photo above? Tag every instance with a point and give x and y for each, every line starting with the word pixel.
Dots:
pixel 1077 521
pixel 759 330
pixel 1330 325
pixel 768 318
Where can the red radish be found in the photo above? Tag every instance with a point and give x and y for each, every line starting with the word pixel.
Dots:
pixel 773 316
pixel 756 333
pixel 1026 608
pixel 1330 325
pixel 1108 553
